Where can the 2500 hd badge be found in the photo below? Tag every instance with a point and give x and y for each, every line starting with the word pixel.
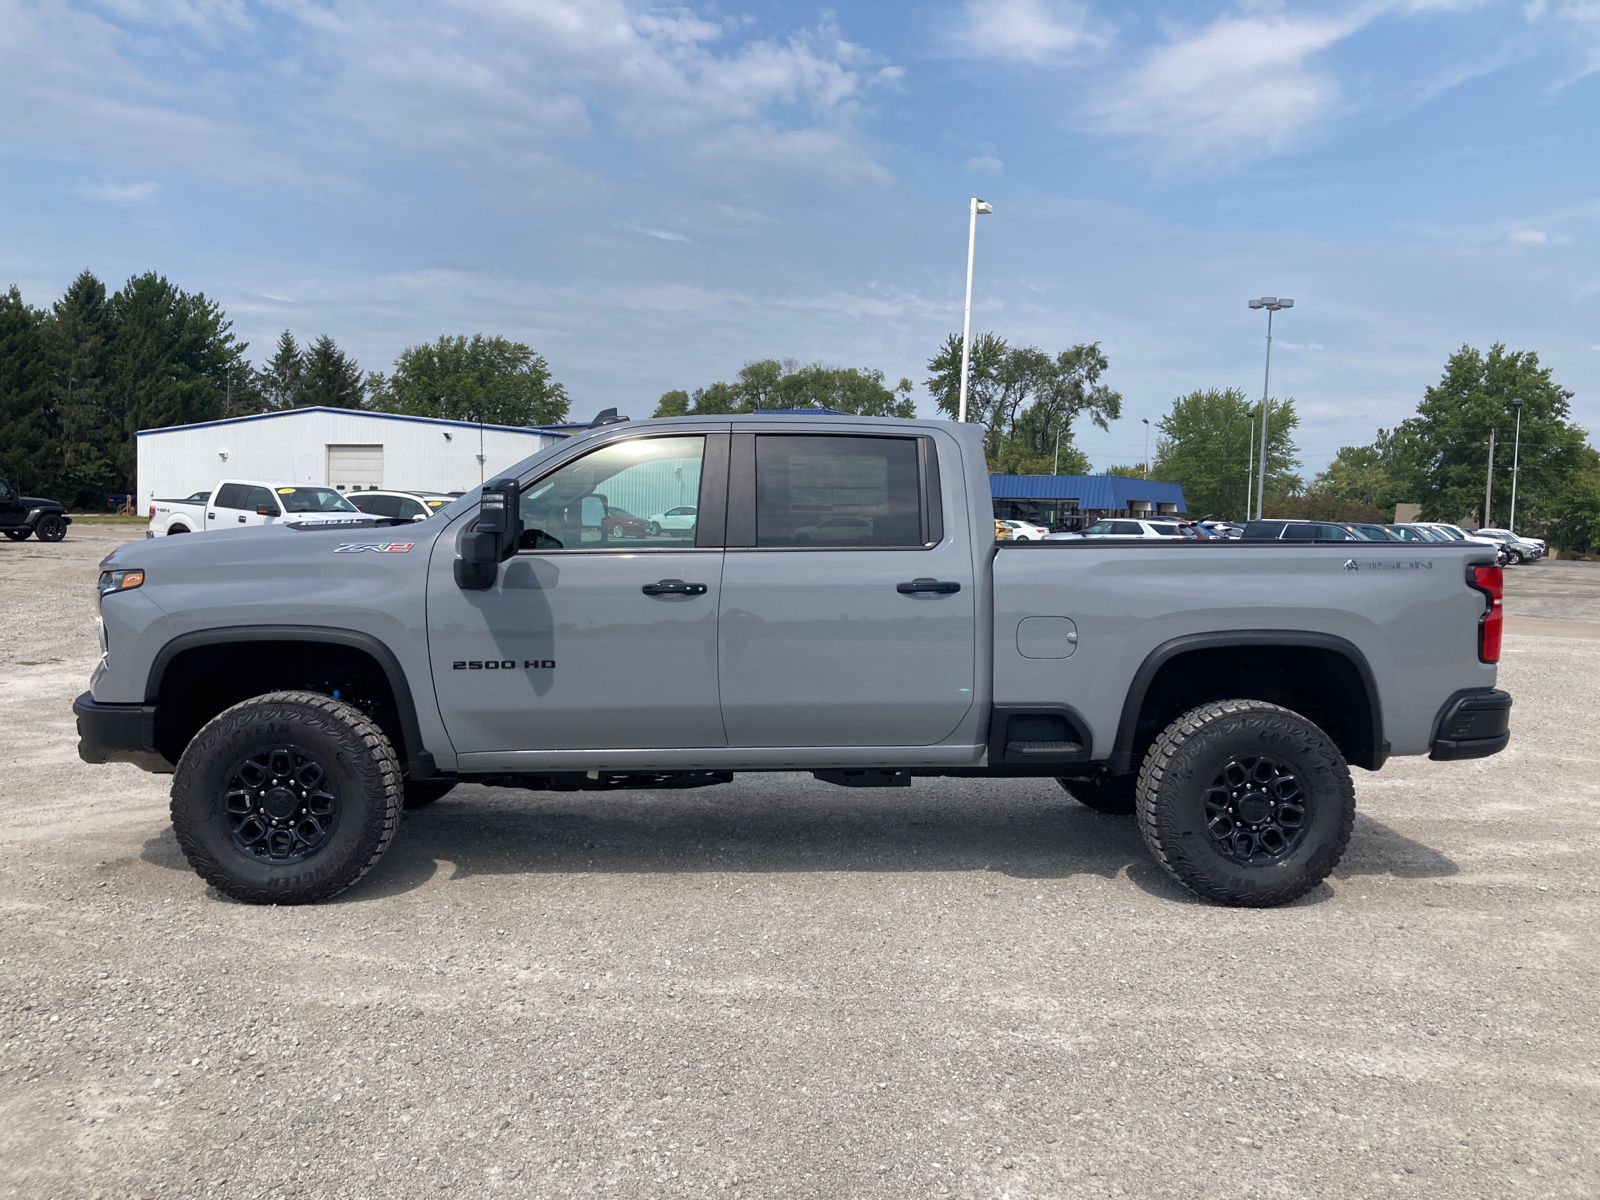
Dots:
pixel 504 664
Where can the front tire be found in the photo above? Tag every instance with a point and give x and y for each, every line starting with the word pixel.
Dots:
pixel 1246 803
pixel 1514 558
pixel 1112 795
pixel 654 529
pixel 287 798
pixel 51 527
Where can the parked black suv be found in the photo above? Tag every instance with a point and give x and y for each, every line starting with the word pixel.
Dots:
pixel 1316 531
pixel 22 515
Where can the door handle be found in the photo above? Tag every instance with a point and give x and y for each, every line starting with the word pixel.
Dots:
pixel 674 587
pixel 241 520
pixel 943 587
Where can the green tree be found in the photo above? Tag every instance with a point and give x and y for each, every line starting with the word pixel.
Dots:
pixel 1207 443
pixel 77 339
pixel 771 383
pixel 1445 447
pixel 1128 471
pixel 30 438
pixel 280 381
pixel 331 379
pixel 1025 399
pixel 1373 477
pixel 482 379
pixel 1575 508
pixel 172 357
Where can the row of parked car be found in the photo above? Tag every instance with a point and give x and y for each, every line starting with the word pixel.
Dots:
pixel 1514 548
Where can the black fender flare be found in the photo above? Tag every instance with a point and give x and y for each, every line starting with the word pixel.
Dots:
pixel 419 761
pixel 1122 749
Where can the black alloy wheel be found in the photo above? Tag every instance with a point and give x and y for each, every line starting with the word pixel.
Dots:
pixel 18 535
pixel 1246 803
pixel 282 805
pixel 286 798
pixel 51 527
pixel 1255 810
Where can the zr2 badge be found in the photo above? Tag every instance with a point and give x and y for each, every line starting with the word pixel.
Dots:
pixel 379 547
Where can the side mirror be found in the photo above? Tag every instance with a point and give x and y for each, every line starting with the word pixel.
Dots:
pixel 592 518
pixel 493 539
pixel 266 512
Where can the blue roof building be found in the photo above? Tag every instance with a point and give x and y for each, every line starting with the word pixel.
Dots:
pixel 1071 501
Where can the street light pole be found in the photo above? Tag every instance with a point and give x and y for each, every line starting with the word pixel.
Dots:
pixel 1488 486
pixel 1055 469
pixel 1146 421
pixel 1272 304
pixel 978 206
pixel 1250 467
pixel 1516 449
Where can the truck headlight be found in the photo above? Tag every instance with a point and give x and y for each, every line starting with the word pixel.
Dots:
pixel 124 579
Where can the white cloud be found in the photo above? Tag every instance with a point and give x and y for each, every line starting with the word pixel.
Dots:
pixel 987 164
pixel 1529 237
pixel 1035 31
pixel 124 195
pixel 1240 88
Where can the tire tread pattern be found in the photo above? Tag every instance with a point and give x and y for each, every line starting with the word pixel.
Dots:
pixel 376 765
pixel 1190 734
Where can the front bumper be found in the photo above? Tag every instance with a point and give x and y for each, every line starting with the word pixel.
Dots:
pixel 1472 724
pixel 109 733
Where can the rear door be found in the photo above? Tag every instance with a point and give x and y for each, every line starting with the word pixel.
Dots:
pixel 848 598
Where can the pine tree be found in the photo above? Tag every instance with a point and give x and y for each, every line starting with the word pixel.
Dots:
pixel 331 379
pixel 281 379
pixel 30 448
pixel 76 352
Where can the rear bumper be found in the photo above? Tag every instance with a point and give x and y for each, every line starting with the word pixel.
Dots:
pixel 1472 724
pixel 110 733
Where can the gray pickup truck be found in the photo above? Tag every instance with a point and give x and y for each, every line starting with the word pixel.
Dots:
pixel 807 593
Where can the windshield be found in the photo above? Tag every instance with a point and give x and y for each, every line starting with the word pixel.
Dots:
pixel 314 500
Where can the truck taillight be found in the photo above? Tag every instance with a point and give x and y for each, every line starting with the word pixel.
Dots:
pixel 152 515
pixel 1491 582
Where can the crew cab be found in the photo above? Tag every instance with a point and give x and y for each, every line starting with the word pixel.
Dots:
pixel 304 684
pixel 235 502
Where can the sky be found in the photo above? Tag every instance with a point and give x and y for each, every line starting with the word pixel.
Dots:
pixel 653 196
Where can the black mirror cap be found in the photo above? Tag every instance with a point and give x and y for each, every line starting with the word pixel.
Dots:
pixel 606 416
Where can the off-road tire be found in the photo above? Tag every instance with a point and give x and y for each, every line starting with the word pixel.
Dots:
pixel 18 535
pixel 1112 794
pixel 51 527
pixel 358 760
pixel 1190 755
pixel 422 792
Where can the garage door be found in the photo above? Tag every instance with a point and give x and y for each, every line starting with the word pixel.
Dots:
pixel 355 468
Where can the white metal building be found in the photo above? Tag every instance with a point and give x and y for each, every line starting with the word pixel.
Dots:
pixel 345 448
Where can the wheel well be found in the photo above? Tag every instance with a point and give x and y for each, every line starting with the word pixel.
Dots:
pixel 1320 683
pixel 201 681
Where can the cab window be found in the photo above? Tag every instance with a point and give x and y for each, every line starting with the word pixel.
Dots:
pixel 658 478
pixel 824 491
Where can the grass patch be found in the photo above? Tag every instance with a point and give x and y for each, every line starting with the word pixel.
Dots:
pixel 106 519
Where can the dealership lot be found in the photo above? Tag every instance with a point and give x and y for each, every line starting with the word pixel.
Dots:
pixel 778 987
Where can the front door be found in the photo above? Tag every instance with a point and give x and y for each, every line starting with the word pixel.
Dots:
pixel 237 504
pixel 848 597
pixel 11 510
pixel 589 640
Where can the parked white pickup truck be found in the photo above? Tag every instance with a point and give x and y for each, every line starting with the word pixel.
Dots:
pixel 236 502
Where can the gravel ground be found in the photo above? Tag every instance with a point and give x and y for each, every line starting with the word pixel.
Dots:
pixel 781 988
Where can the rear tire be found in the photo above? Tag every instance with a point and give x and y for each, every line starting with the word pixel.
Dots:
pixel 654 529
pixel 1246 803
pixel 51 527
pixel 287 798
pixel 1111 794
pixel 422 792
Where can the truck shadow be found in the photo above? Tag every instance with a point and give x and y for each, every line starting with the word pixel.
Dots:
pixel 1020 829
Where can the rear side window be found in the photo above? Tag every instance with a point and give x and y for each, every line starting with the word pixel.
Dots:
pixel 5 490
pixel 378 506
pixel 1165 530
pixel 818 491
pixel 1127 528
pixel 232 495
pixel 1302 533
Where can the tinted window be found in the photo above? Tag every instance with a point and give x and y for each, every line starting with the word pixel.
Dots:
pixel 1336 533
pixel 232 495
pixel 1126 528
pixel 411 509
pixel 1099 527
pixel 566 510
pixel 5 490
pixel 1302 533
pixel 258 498
pixel 1165 530
pixel 1373 533
pixel 378 506
pixel 807 485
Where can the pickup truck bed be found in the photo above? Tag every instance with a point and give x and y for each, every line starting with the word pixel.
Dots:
pixel 507 641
